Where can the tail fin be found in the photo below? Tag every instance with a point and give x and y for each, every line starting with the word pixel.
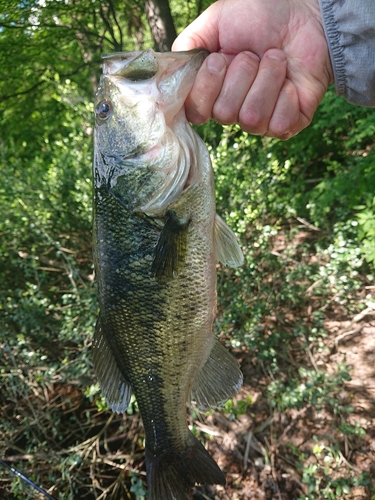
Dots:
pixel 170 477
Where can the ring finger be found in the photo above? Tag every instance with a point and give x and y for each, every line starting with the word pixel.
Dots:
pixel 239 78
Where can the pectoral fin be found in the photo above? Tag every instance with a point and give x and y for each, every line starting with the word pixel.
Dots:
pixel 219 378
pixel 115 388
pixel 171 248
pixel 227 249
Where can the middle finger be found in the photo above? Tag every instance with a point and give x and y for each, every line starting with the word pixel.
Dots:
pixel 239 77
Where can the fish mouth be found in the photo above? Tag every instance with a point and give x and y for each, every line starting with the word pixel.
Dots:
pixel 143 65
pixel 134 66
pixel 173 72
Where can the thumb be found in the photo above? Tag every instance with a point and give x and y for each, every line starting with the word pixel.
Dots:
pixel 203 32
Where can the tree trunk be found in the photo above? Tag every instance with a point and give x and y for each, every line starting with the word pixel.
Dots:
pixel 161 24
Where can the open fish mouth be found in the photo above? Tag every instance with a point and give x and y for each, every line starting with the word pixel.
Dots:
pixel 174 73
pixel 143 65
pixel 135 66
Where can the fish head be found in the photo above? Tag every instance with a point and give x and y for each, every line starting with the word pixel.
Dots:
pixel 140 99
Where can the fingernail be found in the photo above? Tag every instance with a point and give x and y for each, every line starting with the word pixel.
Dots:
pixel 216 62
pixel 251 55
pixel 276 54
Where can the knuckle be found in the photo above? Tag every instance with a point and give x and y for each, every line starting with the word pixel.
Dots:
pixel 251 120
pixel 225 114
pixel 247 63
pixel 198 111
pixel 197 119
pixel 283 128
pixel 201 114
pixel 249 59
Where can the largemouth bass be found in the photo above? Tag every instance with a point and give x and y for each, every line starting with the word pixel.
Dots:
pixel 156 242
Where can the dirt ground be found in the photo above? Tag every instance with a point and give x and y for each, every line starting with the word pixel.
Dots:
pixel 254 450
pixel 259 451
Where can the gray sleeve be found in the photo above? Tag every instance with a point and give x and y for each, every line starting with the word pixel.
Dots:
pixel 349 26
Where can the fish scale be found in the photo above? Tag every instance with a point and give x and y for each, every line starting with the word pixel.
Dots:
pixel 156 240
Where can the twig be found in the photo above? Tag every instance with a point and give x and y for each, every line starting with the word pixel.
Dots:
pixel 324 307
pixel 257 446
pixel 260 428
pixel 292 424
pixel 17 458
pixel 357 318
pixel 346 334
pixel 83 449
pixel 272 463
pixel 311 287
pixel 247 449
pixel 267 373
pixel 284 257
pixel 307 224
pixel 293 471
pixel 206 430
pixel 348 463
pixel 311 356
pixel 346 445
pixel 108 490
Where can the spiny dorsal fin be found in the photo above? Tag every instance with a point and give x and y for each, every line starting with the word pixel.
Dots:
pixel 115 388
pixel 171 248
pixel 227 249
pixel 218 380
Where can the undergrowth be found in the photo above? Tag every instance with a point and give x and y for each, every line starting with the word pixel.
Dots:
pixel 305 234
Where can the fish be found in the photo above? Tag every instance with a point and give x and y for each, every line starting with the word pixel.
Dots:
pixel 156 243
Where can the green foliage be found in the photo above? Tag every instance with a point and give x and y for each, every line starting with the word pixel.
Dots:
pixel 366 231
pixel 137 487
pixel 318 474
pixel 234 409
pixel 304 210
pixel 312 387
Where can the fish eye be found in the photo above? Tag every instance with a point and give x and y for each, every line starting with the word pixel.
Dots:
pixel 104 109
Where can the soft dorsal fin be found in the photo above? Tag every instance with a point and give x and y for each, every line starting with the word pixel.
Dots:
pixel 218 379
pixel 171 248
pixel 227 249
pixel 115 388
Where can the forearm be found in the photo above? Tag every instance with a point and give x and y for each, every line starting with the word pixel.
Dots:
pixel 350 31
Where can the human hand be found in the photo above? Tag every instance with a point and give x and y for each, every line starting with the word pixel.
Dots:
pixel 269 68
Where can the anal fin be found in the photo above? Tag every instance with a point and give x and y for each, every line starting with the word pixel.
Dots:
pixel 218 379
pixel 115 388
